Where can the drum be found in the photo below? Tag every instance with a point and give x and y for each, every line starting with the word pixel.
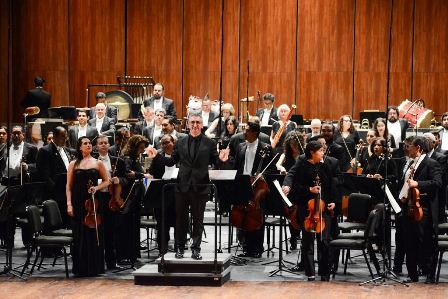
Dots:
pixel 416 113
pixel 122 100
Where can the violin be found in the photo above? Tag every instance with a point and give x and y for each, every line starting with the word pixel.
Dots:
pixel 92 219
pixel 314 222
pixel 115 190
pixel 415 210
pixel 356 169
pixel 250 217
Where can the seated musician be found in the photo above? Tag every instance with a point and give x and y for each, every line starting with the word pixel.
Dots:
pixel 152 133
pixel 103 124
pixel 52 165
pixel 21 160
pixel 148 121
pixel 111 111
pixel 311 178
pixel 282 113
pixel 157 170
pixel 247 161
pixel 208 116
pixel 218 124
pixel 82 129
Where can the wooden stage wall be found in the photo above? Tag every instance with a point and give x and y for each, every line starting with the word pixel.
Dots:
pixel 329 57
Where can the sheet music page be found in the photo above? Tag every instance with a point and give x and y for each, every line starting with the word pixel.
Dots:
pixel 279 189
pixel 170 173
pixel 392 200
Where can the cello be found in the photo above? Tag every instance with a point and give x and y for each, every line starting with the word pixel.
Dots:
pixel 92 219
pixel 250 217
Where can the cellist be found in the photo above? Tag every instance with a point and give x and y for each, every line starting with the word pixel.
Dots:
pixel 424 174
pixel 301 181
pixel 116 173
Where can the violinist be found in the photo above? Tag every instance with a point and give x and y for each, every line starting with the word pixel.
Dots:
pixel 424 174
pixel 365 150
pixel 110 197
pixel 88 247
pixel 311 179
pixel 376 164
pixel 293 147
pixel 247 161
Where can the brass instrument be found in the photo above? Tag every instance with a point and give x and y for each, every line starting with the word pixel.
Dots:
pixel 31 111
pixel 283 127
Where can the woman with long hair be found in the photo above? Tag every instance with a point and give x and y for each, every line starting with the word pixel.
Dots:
pixel 231 128
pixel 227 110
pixel 128 247
pixel 376 164
pixel 381 130
pixel 82 184
pixel 347 137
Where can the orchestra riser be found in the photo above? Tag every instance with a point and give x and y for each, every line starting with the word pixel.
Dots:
pixel 186 271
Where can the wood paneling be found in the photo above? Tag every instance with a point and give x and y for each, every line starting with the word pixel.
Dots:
pixel 96 46
pixel 268 41
pixel 40 48
pixel 4 48
pixel 178 42
pixel 372 52
pixel 401 55
pixel 154 43
pixel 431 59
pixel 325 61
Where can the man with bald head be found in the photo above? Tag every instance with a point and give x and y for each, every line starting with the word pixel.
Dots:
pixel 111 111
pixel 103 124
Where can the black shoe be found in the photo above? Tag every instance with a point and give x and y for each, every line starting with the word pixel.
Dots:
pixel 245 254
pixel 325 278
pixel 411 280
pixel 293 244
pixel 256 255
pixel 179 253
pixel 196 255
pixel 311 278
pixel 114 267
pixel 430 279
pixel 298 268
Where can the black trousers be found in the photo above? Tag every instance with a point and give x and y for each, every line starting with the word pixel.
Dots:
pixel 400 243
pixel 323 248
pixel 197 203
pixel 110 229
pixel 420 245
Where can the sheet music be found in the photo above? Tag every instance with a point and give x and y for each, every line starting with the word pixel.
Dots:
pixel 221 175
pixel 392 200
pixel 170 173
pixel 279 189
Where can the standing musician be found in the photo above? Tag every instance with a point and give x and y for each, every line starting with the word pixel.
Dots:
pixel 267 114
pixel 52 163
pixel 366 150
pixel 208 116
pixel 283 113
pixel 293 147
pixel 85 210
pixel 231 125
pixel 347 137
pixel 424 174
pixel 21 160
pixel 39 97
pixel 111 111
pixel 376 164
pixel 194 154
pixel 333 149
pixel 152 133
pixel 82 129
pixel 3 146
pixel 311 179
pixel 247 161
pixel 443 133
pixel 129 220
pixel 315 128
pixel 157 170
pixel 397 128
pixel 226 111
pixel 116 173
pixel 239 137
pixel 148 121
pixel 379 125
pixel 158 100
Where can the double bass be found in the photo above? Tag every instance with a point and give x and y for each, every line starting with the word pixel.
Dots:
pixel 250 217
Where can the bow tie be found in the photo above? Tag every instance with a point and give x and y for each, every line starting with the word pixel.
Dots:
pixel 15 147
pixel 104 159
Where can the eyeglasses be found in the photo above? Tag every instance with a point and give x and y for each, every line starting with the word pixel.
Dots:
pixel 347 120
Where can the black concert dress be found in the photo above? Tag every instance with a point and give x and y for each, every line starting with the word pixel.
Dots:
pixel 88 255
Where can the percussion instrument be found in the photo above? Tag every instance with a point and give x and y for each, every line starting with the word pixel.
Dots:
pixel 416 113
pixel 122 100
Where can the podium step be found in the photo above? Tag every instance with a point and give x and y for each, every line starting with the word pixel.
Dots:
pixel 189 265
pixel 149 275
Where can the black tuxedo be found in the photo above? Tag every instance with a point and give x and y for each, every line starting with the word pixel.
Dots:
pixel 241 155
pixel 194 156
pixel 238 138
pixel 273 117
pixel 140 126
pixel 111 112
pixel 91 133
pixel 420 237
pixel 167 104
pixel 442 159
pixel 108 127
pixel 40 98
pixel 29 157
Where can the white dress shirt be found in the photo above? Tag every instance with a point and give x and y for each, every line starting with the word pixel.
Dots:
pixel 444 141
pixel 158 103
pixel 108 165
pixel 395 130
pixel 15 158
pixel 405 189
pixel 99 124
pixel 63 156
pixel 205 117
pixel 82 131
pixel 249 158
pixel 266 117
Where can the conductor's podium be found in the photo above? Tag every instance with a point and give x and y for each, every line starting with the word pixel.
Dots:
pixel 186 271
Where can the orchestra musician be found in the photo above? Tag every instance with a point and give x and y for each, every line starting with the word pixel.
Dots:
pixel 52 164
pixel 121 138
pixel 379 125
pixel 347 137
pixel 157 170
pixel 268 114
pixel 231 125
pixel 376 164
pixel 333 149
pixel 239 137
pixel 194 154
pixel 82 178
pixel 39 97
pixel 128 247
pixel 116 174
pixel 302 181
pixel 365 150
pixel 282 113
pixel 152 133
pixel 83 128
pixel 443 133
pixel 315 125
pixel 148 121
pixel 420 236
pixel 103 124
pixel 3 146
pixel 158 100
pixel 226 111
pixel 22 159
pixel 246 161
pixel 397 127
pixel 208 116
pixel 169 127
pixel 111 111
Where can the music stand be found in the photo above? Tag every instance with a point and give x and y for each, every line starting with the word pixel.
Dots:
pixel 64 112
